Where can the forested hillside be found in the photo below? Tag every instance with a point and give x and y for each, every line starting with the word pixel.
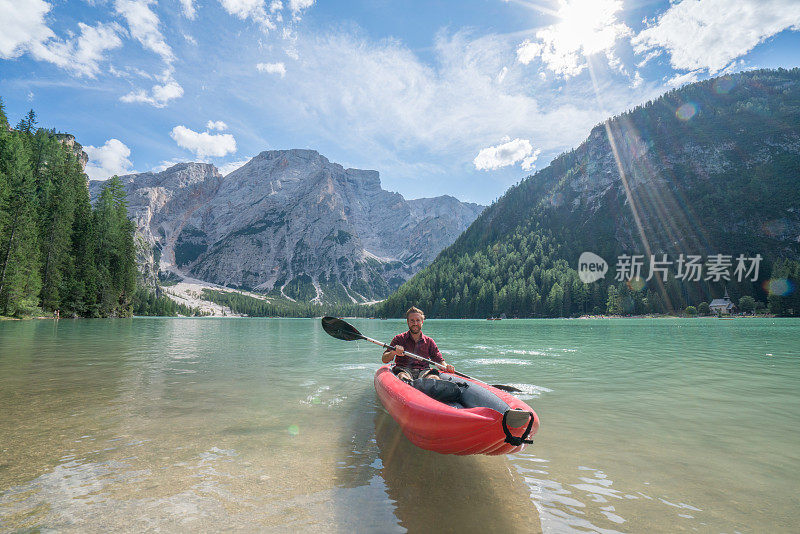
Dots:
pixel 56 251
pixel 711 168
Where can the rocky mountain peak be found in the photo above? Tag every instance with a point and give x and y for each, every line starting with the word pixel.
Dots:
pixel 292 223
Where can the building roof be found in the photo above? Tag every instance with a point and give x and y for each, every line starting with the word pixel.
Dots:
pixel 724 303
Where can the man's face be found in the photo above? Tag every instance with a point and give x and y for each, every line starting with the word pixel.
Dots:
pixel 415 321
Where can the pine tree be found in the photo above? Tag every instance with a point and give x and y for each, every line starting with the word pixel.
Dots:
pixel 19 252
pixel 58 208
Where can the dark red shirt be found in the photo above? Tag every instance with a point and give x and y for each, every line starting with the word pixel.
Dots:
pixel 425 347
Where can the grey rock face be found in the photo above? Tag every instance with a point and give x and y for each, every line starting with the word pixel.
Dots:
pixel 291 222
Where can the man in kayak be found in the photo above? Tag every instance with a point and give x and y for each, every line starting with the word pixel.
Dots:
pixel 405 367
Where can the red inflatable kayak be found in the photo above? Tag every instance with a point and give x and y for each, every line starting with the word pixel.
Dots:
pixel 482 420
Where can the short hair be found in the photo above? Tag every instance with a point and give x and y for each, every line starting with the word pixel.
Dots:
pixel 414 309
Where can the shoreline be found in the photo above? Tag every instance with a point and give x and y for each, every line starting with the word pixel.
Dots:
pixel 237 316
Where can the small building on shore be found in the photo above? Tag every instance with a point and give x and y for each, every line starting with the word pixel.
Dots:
pixel 723 306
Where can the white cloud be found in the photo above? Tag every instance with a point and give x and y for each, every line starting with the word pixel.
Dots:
pixel 159 95
pixel 530 162
pixel 586 27
pixel 416 119
pixel 528 51
pixel 637 80
pixel 22 23
pixel 188 9
pixel 143 24
pixel 81 55
pixel 216 125
pixel 299 5
pixel 276 5
pixel 682 79
pixel 23 29
pixel 253 9
pixel 272 68
pixel 451 108
pixel 508 153
pixel 108 160
pixel 228 168
pixel 204 144
pixel 709 34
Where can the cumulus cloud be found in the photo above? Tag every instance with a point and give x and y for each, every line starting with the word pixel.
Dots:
pixel 216 125
pixel 272 68
pixel 108 160
pixel 22 23
pixel 529 162
pixel 23 29
pixel 81 55
pixel 586 27
pixel 508 153
pixel 204 144
pixel 158 96
pixel 710 34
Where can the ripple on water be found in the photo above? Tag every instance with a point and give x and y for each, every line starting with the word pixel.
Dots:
pixel 494 361
pixel 530 391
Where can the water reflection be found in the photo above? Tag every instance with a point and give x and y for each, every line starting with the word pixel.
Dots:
pixel 429 491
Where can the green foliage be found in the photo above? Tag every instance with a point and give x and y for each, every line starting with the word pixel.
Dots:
pixel 747 304
pixel 56 252
pixel 276 307
pixel 691 311
pixel 784 298
pixel 704 309
pixel 520 254
pixel 146 302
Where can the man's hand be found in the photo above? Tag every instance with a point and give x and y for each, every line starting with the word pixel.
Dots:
pixel 390 355
pixel 448 368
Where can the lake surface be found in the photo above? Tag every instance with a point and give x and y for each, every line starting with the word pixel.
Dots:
pixel 647 425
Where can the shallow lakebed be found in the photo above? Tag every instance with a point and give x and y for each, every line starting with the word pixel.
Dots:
pixel 269 425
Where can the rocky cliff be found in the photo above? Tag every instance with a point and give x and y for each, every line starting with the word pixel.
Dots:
pixel 290 223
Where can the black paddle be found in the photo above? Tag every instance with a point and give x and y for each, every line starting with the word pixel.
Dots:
pixel 343 330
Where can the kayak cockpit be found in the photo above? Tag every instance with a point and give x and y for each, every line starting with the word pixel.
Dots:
pixel 459 393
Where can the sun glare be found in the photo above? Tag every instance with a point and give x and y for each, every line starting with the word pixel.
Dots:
pixel 584 28
pixel 589 26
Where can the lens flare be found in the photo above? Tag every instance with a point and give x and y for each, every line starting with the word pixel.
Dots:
pixel 636 284
pixel 686 111
pixel 723 86
pixel 294 430
pixel 779 286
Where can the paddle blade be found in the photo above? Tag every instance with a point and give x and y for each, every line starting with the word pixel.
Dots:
pixel 340 329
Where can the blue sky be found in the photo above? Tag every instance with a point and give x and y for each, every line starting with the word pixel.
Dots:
pixel 462 98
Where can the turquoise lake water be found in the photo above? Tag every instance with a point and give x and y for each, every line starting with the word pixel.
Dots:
pixel 647 425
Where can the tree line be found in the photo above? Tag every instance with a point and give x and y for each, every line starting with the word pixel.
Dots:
pixel 57 251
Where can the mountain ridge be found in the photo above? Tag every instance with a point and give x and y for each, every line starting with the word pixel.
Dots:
pixel 290 223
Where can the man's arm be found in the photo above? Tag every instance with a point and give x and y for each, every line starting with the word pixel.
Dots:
pixel 436 355
pixel 389 355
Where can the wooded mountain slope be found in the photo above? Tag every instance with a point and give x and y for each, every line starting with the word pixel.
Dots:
pixel 710 168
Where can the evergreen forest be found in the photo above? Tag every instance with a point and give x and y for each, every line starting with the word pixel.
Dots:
pixel 57 251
